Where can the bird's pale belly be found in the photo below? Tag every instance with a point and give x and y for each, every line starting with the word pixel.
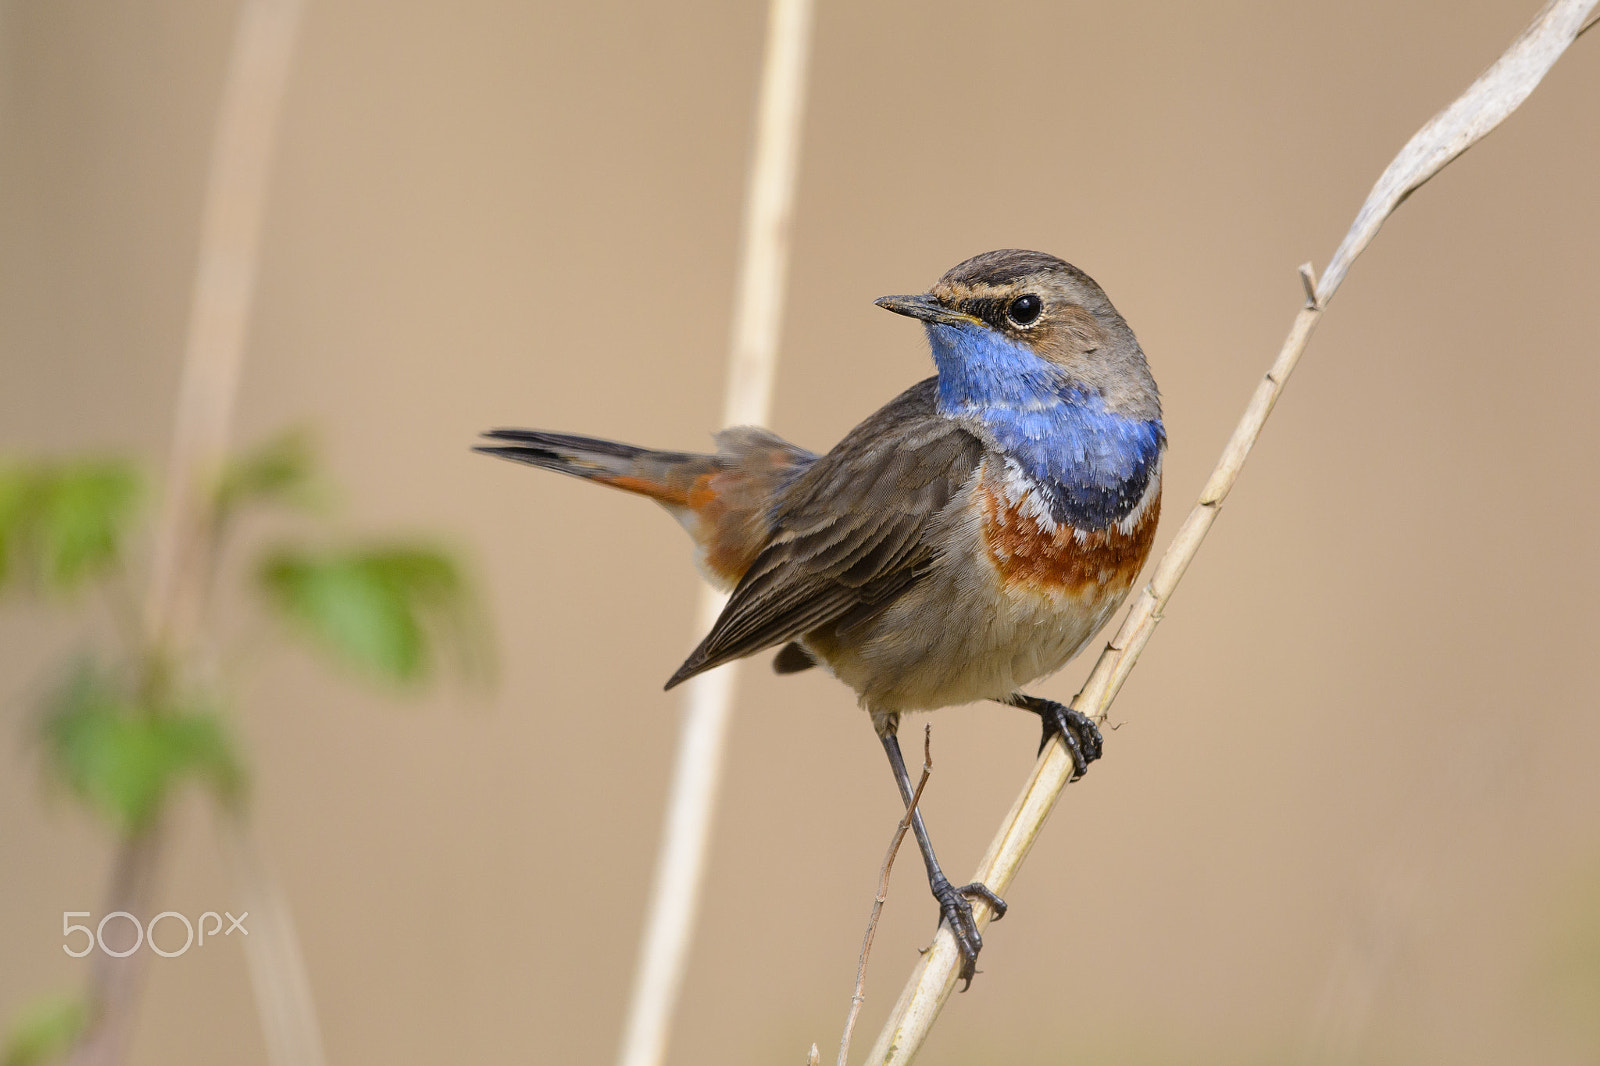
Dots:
pixel 1012 600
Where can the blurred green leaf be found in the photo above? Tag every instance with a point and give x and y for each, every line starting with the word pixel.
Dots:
pixel 280 471
pixel 62 523
pixel 389 610
pixel 123 759
pixel 13 493
pixel 45 1031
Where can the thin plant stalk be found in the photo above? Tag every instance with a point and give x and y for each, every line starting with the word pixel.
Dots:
pixel 278 973
pixel 114 982
pixel 859 996
pixel 183 551
pixel 708 698
pixel 1485 104
pixel 224 285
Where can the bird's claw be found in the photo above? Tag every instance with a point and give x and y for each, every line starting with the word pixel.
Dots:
pixel 983 892
pixel 1076 730
pixel 955 910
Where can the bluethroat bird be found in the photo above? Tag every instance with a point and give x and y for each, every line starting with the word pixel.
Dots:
pixel 968 538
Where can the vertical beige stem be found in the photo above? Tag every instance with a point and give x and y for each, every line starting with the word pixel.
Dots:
pixel 278 974
pixel 230 237
pixel 114 982
pixel 230 240
pixel 708 698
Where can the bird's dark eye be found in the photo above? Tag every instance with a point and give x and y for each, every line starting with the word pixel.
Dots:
pixel 1024 309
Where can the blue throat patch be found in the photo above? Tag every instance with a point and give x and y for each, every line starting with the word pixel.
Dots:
pixel 1091 464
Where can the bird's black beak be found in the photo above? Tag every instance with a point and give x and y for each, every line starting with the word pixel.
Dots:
pixel 927 308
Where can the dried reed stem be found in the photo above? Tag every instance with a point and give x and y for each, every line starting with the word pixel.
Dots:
pixel 230 242
pixel 278 973
pixel 113 995
pixel 1486 103
pixel 860 994
pixel 183 552
pixel 708 698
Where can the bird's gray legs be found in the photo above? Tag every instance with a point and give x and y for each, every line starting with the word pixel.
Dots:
pixel 953 905
pixel 1075 729
pixel 1083 742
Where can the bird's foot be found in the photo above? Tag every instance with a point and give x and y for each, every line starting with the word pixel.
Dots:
pixel 1076 730
pixel 957 911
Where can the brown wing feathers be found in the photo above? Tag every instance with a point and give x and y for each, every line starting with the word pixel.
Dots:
pixel 811 542
pixel 850 531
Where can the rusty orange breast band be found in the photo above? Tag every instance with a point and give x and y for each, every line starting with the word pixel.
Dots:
pixel 1028 555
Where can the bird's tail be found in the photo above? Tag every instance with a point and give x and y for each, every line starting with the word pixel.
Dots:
pixel 667 477
pixel 724 500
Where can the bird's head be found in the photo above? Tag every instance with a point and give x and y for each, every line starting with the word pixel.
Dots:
pixel 1013 320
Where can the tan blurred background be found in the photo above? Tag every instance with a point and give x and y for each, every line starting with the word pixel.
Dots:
pixel 1352 813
